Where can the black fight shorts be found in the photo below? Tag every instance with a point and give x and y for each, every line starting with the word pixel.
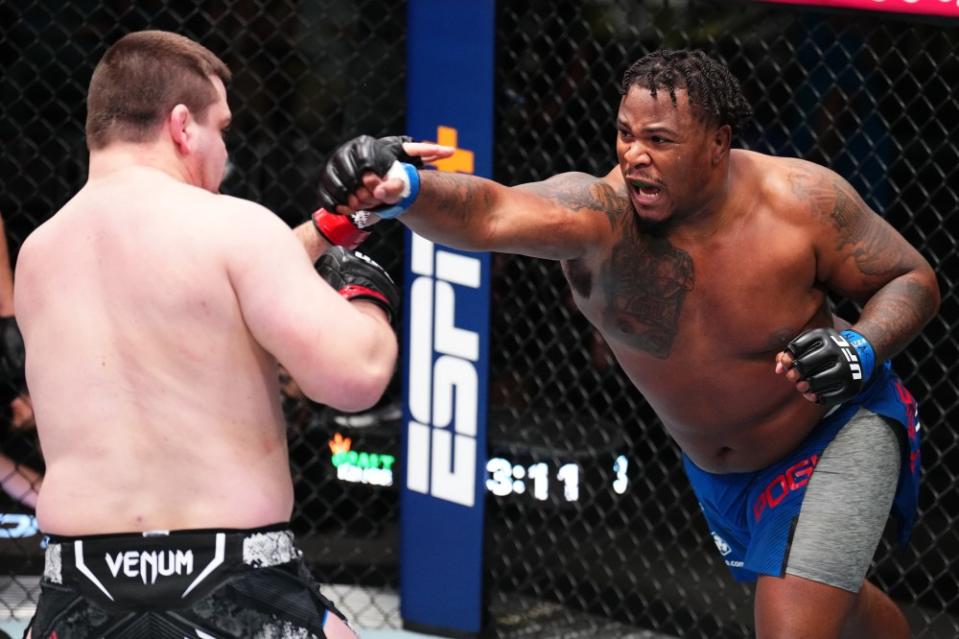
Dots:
pixel 201 584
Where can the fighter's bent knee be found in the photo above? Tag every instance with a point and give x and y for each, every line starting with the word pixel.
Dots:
pixel 793 607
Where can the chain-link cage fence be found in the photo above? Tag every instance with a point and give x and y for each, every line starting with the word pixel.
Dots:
pixel 625 547
pixel 307 76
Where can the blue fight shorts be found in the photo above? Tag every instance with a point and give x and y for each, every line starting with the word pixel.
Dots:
pixel 751 516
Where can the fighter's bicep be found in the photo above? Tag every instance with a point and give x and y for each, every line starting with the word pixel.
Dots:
pixel 566 215
pixel 858 252
pixel 284 303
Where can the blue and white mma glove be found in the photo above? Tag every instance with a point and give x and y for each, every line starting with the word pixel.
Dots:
pixel 835 364
pixel 343 172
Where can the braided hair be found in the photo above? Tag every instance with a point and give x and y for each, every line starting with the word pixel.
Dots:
pixel 714 94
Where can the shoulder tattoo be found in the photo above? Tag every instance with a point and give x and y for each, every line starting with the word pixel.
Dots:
pixel 582 192
pixel 858 231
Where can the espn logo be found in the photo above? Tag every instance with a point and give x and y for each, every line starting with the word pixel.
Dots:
pixel 443 395
pixel 852 356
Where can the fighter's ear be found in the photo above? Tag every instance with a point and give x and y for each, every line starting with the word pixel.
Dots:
pixel 178 125
pixel 722 138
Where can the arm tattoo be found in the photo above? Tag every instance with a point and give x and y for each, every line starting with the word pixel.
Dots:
pixel 859 232
pixel 646 281
pixel 458 196
pixel 900 297
pixel 906 307
pixel 582 192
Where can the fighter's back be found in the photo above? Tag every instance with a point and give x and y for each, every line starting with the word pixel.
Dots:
pixel 157 409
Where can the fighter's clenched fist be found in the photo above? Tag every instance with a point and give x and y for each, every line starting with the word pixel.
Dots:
pixel 357 277
pixel 355 170
pixel 828 366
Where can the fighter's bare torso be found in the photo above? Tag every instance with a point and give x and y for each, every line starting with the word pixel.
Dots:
pixel 157 409
pixel 696 318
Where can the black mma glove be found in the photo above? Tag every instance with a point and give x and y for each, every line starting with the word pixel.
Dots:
pixel 343 172
pixel 12 358
pixel 835 364
pixel 355 276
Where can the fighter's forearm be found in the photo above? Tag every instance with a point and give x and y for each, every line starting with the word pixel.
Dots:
pixel 312 241
pixel 896 313
pixel 455 209
pixel 450 208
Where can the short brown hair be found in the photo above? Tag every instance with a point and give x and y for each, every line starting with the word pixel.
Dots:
pixel 141 78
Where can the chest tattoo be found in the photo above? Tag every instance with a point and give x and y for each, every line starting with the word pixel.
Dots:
pixel 646 281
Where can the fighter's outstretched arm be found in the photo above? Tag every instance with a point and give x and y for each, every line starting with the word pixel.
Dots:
pixel 559 218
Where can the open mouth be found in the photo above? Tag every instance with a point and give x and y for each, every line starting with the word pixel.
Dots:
pixel 645 192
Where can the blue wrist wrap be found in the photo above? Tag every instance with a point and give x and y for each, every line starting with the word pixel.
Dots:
pixel 867 356
pixel 409 174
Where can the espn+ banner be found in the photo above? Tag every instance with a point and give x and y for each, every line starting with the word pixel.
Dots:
pixel 446 333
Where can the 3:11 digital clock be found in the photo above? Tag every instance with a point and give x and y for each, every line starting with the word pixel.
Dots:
pixel 507 478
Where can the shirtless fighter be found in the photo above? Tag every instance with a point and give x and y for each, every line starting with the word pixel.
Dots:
pixel 154 311
pixel 707 269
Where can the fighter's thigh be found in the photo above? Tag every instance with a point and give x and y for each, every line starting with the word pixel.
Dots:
pixel 847 504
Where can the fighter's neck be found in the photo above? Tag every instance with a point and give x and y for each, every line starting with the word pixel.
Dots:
pixel 710 216
pixel 107 162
